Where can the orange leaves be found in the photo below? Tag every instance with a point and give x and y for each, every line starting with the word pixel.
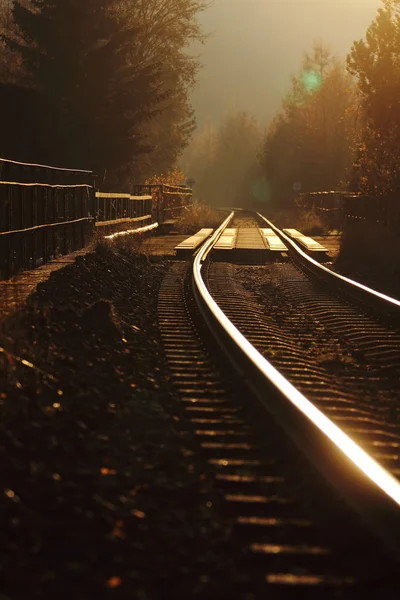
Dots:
pixel 118 531
pixel 173 177
pixel 114 582
pixel 107 471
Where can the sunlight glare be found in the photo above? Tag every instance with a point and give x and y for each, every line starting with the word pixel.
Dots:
pixel 312 80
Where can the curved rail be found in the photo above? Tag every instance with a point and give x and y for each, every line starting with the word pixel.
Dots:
pixel 361 292
pixel 372 490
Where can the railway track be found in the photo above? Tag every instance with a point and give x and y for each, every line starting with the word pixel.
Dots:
pixel 298 537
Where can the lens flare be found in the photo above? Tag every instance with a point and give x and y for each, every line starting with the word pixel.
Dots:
pixel 260 190
pixel 312 80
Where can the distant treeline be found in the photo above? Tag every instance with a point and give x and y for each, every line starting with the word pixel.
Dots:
pixel 338 128
pixel 99 84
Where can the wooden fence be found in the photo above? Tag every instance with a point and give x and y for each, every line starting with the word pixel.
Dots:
pixel 114 209
pixel 46 212
pixel 169 201
pixel 11 170
pixel 340 210
pixel 40 221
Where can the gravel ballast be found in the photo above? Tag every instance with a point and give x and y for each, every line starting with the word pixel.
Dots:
pixel 100 495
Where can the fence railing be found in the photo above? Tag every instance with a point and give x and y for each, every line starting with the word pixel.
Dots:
pixel 19 172
pixel 40 220
pixel 330 206
pixel 169 201
pixel 341 209
pixel 112 209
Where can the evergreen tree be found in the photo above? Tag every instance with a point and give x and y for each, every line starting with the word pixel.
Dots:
pixel 84 59
pixel 166 29
pixel 308 141
pixel 376 63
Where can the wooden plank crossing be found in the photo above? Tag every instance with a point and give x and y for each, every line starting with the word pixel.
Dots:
pixel 249 245
pixel 273 242
pixel 227 241
pixel 190 244
pixel 306 242
pixel 249 238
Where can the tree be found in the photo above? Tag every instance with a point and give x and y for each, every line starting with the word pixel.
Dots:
pixel 165 30
pixel 114 79
pixel 9 66
pixel 223 161
pixel 308 141
pixel 83 58
pixel 375 62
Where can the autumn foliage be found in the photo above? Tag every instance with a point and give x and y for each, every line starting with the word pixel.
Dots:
pixel 375 62
pixel 308 146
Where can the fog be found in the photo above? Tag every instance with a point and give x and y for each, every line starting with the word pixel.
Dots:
pixel 255 46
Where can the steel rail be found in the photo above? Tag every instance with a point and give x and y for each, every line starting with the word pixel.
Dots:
pixel 372 491
pixel 374 299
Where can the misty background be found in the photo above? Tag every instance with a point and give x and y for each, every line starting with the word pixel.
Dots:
pixel 254 46
pixel 277 111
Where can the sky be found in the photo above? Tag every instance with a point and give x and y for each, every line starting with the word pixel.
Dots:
pixel 256 45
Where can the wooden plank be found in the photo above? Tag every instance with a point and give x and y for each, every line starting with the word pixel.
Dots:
pixel 249 238
pixel 305 241
pixel 193 242
pixel 111 195
pixel 273 242
pixel 126 196
pixel 144 229
pixel 124 220
pixel 47 185
pixel 293 233
pixel 227 240
pixel 44 226
pixel 311 244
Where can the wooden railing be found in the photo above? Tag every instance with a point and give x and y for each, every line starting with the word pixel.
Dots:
pixel 47 211
pixel 40 221
pixel 330 206
pixel 112 209
pixel 169 201
pixel 341 209
pixel 11 170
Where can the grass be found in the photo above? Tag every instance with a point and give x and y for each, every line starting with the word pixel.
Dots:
pixel 196 217
pixel 308 222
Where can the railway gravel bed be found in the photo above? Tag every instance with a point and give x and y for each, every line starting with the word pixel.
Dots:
pixel 134 465
pixel 100 496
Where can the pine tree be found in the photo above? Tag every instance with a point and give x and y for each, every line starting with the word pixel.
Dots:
pixel 83 57
pixel 308 141
pixel 376 63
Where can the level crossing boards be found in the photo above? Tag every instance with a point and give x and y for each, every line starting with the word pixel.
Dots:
pixel 227 240
pixel 273 242
pixel 250 245
pixel 192 243
pixel 306 242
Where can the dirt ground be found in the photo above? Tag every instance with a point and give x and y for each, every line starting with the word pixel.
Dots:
pixel 101 497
